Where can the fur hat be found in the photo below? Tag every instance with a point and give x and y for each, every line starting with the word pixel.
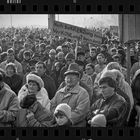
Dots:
pixel 65 108
pixel 37 79
pixel 99 120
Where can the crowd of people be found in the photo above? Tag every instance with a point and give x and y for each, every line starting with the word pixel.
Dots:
pixel 52 81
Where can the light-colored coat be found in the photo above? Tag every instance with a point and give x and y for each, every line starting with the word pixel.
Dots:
pixel 9 106
pixel 42 96
pixel 77 99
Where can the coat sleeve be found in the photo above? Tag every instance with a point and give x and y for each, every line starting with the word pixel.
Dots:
pixel 83 105
pixel 9 115
pixel 54 102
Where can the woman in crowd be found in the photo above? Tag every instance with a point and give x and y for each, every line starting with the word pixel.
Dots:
pixel 13 79
pixel 34 102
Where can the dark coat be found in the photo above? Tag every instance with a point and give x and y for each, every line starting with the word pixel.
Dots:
pixel 114 108
pixel 14 82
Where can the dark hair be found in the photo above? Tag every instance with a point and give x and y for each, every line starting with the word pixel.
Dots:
pixel 40 62
pixel 36 83
pixel 91 65
pixel 109 81
pixel 101 54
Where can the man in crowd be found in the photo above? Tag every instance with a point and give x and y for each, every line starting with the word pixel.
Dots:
pixel 74 95
pixel 49 83
pixel 101 63
pixel 112 105
pixel 69 59
pixel 11 58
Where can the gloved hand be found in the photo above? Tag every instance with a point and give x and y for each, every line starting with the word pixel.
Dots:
pixel 27 101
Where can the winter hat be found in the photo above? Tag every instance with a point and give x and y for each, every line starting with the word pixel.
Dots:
pixel 52 51
pixel 65 108
pixel 73 69
pixel 59 48
pixel 11 65
pixel 37 79
pixel 99 120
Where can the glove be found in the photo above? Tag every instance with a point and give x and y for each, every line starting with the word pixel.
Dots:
pixel 27 101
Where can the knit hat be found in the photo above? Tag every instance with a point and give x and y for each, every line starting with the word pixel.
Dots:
pixel 73 69
pixel 69 56
pixel 99 120
pixel 65 108
pixel 52 51
pixel 37 79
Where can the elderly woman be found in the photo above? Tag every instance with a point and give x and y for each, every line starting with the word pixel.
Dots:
pixel 34 102
pixel 13 79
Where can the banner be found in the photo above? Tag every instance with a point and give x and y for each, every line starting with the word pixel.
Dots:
pixel 76 33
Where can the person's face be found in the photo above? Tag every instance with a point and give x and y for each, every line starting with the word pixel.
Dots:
pixel 69 61
pixel 16 46
pixel 42 49
pixel 71 80
pixel 87 54
pixel 10 71
pixel 26 57
pixel 113 52
pixel 57 67
pixel 81 68
pixel 10 57
pixel 64 49
pixel 92 53
pixel 100 59
pixel 32 87
pixel 61 120
pixel 88 60
pixel 117 60
pixel 89 70
pixel 52 55
pixel 81 58
pixel 131 52
pixel 40 69
pixel 60 57
pixel 106 90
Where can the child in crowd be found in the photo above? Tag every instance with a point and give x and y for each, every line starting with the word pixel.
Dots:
pixel 62 115
pixel 98 120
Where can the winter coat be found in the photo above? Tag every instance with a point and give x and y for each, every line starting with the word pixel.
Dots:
pixel 114 108
pixel 78 99
pixel 9 106
pixel 40 117
pixel 42 96
pixel 83 85
pixel 15 82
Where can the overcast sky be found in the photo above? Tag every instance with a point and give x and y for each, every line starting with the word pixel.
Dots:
pixel 42 20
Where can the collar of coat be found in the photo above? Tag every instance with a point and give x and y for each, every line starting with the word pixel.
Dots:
pixel 74 90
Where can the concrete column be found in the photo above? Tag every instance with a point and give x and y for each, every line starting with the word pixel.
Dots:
pixel 51 19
